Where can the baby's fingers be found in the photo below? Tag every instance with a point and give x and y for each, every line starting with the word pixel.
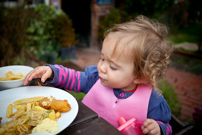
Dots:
pixel 47 74
pixel 42 72
pixel 36 73
pixel 27 77
pixel 151 127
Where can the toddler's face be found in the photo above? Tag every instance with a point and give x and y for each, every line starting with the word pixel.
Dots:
pixel 114 71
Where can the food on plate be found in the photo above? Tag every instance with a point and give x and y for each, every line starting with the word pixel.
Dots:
pixel 9 111
pixel 11 76
pixel 46 102
pixel 27 100
pixel 30 117
pixel 52 103
pixel 45 125
pixel 60 105
pixel 18 106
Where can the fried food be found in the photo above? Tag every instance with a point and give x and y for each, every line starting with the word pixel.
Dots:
pixel 29 114
pixel 32 111
pixel 57 105
pixel 27 100
pixel 2 131
pixel 11 76
pixel 46 102
pixel 9 111
pixel 60 105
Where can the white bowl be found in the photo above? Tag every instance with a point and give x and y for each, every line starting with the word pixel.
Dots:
pixel 15 69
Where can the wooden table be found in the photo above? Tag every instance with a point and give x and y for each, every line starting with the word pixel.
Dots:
pixel 86 122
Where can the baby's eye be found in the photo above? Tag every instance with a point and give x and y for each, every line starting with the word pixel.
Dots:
pixel 113 68
pixel 102 59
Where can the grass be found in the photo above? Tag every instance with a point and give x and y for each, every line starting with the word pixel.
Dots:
pixel 78 96
pixel 171 97
pixel 189 65
pixel 190 34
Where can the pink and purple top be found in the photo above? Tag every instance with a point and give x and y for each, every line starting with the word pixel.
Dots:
pixel 78 81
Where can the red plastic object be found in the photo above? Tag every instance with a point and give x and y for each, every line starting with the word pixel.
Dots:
pixel 130 127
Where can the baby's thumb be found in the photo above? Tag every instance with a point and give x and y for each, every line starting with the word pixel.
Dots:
pixel 45 76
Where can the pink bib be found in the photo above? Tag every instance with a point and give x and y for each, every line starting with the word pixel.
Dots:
pixel 103 101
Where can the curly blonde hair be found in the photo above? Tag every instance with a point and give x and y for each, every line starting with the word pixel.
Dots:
pixel 145 41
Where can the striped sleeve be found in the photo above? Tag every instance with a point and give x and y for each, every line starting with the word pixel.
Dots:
pixel 65 78
pixel 165 128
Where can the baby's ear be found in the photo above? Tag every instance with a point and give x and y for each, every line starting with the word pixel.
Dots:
pixel 137 81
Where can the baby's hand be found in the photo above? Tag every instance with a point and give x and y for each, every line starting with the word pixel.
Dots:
pixel 42 72
pixel 151 127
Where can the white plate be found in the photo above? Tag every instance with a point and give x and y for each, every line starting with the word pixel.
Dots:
pixel 9 96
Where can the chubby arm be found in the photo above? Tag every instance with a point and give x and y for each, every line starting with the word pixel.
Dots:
pixel 74 80
pixel 65 78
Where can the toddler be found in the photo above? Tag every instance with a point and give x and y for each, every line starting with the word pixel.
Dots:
pixel 134 57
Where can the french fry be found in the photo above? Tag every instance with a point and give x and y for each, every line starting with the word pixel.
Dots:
pixel 8 133
pixel 9 73
pixel 27 100
pixel 10 124
pixel 36 103
pixel 20 75
pixel 18 106
pixel 52 115
pixel 29 106
pixel 57 115
pixel 19 110
pixel 19 113
pixel 39 108
pixel 2 131
pixel 9 111
pixel 11 76
pixel 3 79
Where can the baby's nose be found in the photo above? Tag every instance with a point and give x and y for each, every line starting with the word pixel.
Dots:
pixel 103 68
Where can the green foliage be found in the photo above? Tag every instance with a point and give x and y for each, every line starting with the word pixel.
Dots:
pixel 41 30
pixel 40 33
pixel 13 23
pixel 78 96
pixel 48 32
pixel 171 97
pixel 63 30
pixel 190 34
pixel 108 21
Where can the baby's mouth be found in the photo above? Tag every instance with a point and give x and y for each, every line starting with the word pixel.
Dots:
pixel 101 78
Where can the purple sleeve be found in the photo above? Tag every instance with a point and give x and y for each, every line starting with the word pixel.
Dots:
pixel 160 111
pixel 74 80
pixel 165 128
pixel 65 78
